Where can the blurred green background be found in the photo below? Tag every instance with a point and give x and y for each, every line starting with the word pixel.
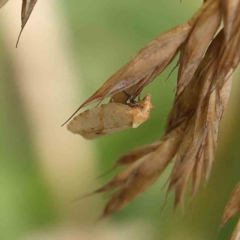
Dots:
pixel 99 37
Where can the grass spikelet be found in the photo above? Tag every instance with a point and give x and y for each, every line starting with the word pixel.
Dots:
pixel 195 46
pixel 233 206
pixel 231 210
pixel 204 112
pixel 143 173
pixel 208 57
pixel 230 9
pixel 137 153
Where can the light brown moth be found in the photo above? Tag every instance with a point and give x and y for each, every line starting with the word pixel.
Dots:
pixel 110 118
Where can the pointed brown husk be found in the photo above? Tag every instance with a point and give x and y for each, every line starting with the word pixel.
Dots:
pixel 204 108
pixel 236 233
pixel 233 206
pixel 27 8
pixel 143 173
pixel 3 2
pixel 230 9
pixel 198 41
pixel 231 210
pixel 136 154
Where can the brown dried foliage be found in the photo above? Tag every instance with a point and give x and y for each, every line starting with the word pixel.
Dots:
pixel 208 57
pixel 191 135
pixel 236 232
pixel 231 210
pixel 27 8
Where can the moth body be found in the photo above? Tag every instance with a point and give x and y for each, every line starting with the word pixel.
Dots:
pixel 109 118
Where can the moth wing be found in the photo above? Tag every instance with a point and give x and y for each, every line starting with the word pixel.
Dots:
pixel 97 134
pixel 102 120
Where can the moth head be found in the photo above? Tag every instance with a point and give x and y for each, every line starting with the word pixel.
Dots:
pixel 146 103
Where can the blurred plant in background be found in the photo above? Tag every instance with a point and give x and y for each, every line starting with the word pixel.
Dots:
pixel 44 167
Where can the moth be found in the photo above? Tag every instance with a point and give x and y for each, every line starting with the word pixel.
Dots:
pixel 110 118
